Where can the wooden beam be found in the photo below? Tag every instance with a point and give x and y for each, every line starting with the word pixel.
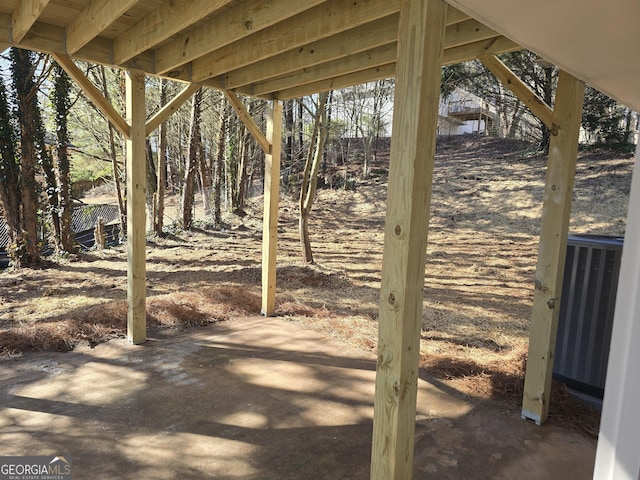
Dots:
pixel 162 23
pixel 366 61
pixel 350 64
pixel 24 16
pixel 521 90
pixel 455 16
pixel 166 111
pixel 467 32
pixel 471 51
pixel 136 212
pixel 558 191
pixel 246 18
pixel 96 16
pixel 270 219
pixel 345 77
pixel 415 120
pixel 93 93
pixel 356 78
pixel 248 121
pixel 47 38
pixel 340 45
pixel 311 25
pixel 617 453
pixel 360 39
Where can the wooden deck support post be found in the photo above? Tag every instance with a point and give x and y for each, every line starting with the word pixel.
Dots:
pixel 270 219
pixel 556 209
pixel 136 214
pixel 420 48
pixel 617 454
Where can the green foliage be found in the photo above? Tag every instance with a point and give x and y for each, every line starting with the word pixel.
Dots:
pixel 88 168
pixel 604 119
pixel 8 161
pixel 60 97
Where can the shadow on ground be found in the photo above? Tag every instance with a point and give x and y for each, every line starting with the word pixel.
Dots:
pixel 254 399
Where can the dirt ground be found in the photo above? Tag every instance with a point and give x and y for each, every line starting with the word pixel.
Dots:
pixel 481 255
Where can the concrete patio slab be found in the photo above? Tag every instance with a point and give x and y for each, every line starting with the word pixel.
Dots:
pixel 254 398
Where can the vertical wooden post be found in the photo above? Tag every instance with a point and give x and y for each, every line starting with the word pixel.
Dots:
pixel 415 120
pixel 136 214
pixel 617 454
pixel 270 219
pixel 561 169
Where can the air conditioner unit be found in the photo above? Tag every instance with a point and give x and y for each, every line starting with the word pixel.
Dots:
pixel 586 312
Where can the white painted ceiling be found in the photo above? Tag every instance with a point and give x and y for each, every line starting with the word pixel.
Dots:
pixel 597 41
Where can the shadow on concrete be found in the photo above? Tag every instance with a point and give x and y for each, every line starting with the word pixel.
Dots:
pixel 253 399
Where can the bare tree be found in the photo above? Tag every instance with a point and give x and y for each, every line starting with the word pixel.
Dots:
pixel 219 173
pixel 158 210
pixel 310 177
pixel 62 103
pixel 192 162
pixel 23 67
pixel 10 191
pixel 118 173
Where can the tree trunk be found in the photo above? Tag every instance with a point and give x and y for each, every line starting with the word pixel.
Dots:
pixel 48 169
pixel 203 181
pixel 62 102
pixel 158 217
pixel 152 178
pixel 235 180
pixel 9 172
pixel 117 180
pixel 245 157
pixel 310 177
pixel 548 94
pixel 300 131
pixel 26 100
pixel 287 154
pixel 219 164
pixel 192 162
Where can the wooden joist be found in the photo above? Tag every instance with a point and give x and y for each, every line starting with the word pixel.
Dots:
pixel 47 38
pixel 267 50
pixel 324 20
pixel 420 48
pixel 136 212
pixel 160 24
pixel 24 16
pixel 383 55
pixel 473 50
pixel 248 121
pixel 271 200
pixel 340 45
pixel 362 39
pixel 558 191
pixel 356 78
pixel 97 16
pixel 342 73
pixel 232 25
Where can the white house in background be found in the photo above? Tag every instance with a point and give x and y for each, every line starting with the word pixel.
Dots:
pixel 463 113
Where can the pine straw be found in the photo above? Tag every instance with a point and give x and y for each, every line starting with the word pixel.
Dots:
pixel 503 381
pixel 101 323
